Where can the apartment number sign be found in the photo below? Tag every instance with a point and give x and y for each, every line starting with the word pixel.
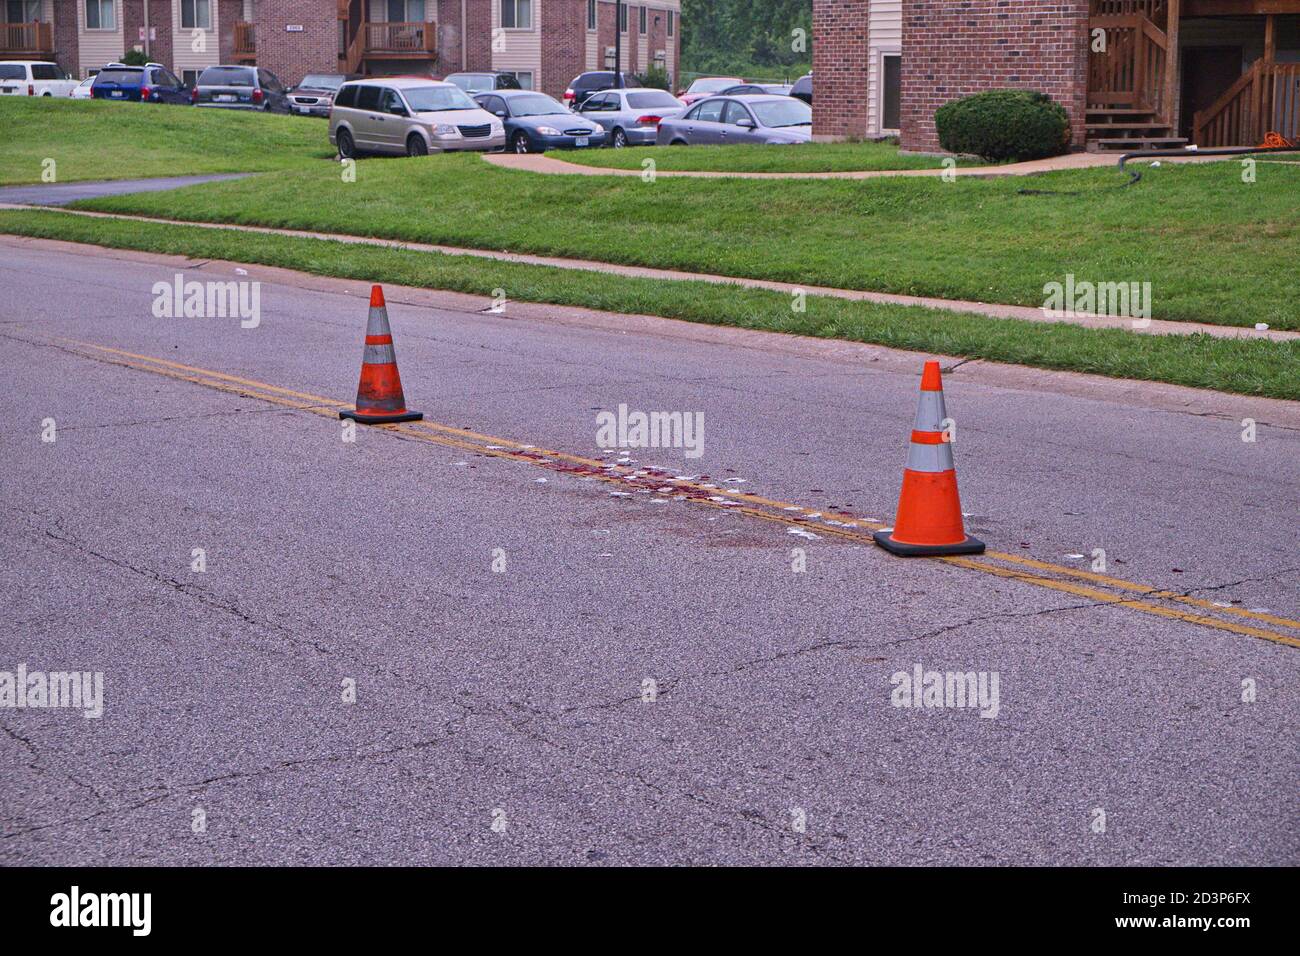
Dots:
pixel 293 28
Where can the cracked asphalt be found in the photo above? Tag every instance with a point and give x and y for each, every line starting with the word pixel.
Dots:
pixel 516 698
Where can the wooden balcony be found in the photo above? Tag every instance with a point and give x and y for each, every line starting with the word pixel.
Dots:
pixel 245 42
pixel 418 41
pixel 27 40
pixel 1266 99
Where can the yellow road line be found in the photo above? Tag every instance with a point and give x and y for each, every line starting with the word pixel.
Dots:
pixel 746 504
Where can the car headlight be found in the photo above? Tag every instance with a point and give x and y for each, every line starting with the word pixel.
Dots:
pixel 445 129
pixel 548 131
pixel 497 128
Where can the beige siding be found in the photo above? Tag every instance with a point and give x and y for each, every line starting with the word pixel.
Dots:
pixel 593 60
pixel 97 47
pixel 885 35
pixel 518 50
pixel 184 56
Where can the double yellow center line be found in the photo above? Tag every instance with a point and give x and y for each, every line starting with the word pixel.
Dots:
pixel 1100 588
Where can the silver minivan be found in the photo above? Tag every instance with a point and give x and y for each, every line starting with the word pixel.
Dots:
pixel 410 116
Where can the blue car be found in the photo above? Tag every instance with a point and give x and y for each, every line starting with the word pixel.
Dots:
pixel 151 83
pixel 535 122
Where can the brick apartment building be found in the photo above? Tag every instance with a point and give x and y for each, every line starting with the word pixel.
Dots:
pixel 545 43
pixel 1128 72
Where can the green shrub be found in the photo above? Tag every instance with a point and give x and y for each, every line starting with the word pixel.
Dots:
pixel 1000 125
pixel 134 58
pixel 655 77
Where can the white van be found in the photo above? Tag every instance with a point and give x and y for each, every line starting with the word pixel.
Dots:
pixel 409 116
pixel 34 78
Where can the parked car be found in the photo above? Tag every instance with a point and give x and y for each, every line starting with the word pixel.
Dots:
pixel 757 89
pixel 236 87
pixel 82 90
pixel 802 89
pixel 536 122
pixel 708 86
pixel 584 84
pixel 313 96
pixel 632 116
pixel 34 78
pixel 151 83
pixel 411 116
pixel 739 119
pixel 475 83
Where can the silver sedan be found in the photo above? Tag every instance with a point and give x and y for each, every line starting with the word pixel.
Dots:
pixel 631 116
pixel 719 120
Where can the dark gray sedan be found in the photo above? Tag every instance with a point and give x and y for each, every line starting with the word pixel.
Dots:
pixel 631 117
pixel 719 120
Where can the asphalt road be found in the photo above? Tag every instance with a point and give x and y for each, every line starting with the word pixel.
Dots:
pixel 60 194
pixel 515 698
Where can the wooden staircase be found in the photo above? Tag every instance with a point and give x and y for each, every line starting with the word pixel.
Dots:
pixel 1128 129
pixel 1129 69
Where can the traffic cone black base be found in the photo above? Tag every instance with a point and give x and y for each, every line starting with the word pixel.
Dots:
pixel 381 419
pixel 969 546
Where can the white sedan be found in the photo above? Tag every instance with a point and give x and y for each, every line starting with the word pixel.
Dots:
pixel 82 89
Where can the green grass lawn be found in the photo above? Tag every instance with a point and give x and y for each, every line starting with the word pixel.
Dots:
pixel 99 140
pixel 805 158
pixel 1214 249
pixel 1251 367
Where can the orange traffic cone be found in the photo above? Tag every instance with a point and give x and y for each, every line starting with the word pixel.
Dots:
pixel 379 396
pixel 929 511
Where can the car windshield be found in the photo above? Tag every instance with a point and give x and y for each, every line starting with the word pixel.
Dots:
pixel 471 81
pixel 783 113
pixel 318 81
pixel 226 76
pixel 121 77
pixel 538 104
pixel 12 71
pixel 711 85
pixel 640 101
pixel 432 99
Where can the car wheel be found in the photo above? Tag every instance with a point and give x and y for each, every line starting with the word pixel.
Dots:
pixel 679 142
pixel 347 148
pixel 620 139
pixel 47 93
pixel 416 146
pixel 520 143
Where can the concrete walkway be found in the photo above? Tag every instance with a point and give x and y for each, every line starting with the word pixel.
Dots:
pixel 991 310
pixel 59 194
pixel 534 163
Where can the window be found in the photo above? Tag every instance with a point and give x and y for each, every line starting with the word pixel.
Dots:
pixel 671 16
pixel 517 14
pixel 891 91
pixel 392 103
pixel 196 14
pixel 734 114
pixel 405 11
pixel 23 11
pixel 643 19
pixel 494 105
pixel 591 14
pixel 347 96
pixel 99 15
pixel 710 111
pixel 622 18
pixel 368 98
pixel 524 81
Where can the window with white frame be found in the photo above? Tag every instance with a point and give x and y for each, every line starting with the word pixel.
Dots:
pixel 517 14
pixel 591 14
pixel 622 18
pixel 643 21
pixel 100 15
pixel 406 11
pixel 671 17
pixel 525 79
pixel 196 14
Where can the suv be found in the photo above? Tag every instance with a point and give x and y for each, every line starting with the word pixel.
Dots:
pixel 240 88
pixel 584 84
pixel 313 96
pixel 474 83
pixel 151 83
pixel 410 116
pixel 34 78
pixel 802 89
